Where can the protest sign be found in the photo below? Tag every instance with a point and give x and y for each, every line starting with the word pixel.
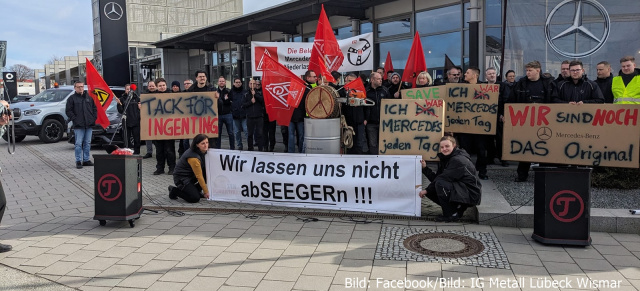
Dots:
pixel 383 184
pixel 411 127
pixel 471 108
pixel 588 134
pixel 178 115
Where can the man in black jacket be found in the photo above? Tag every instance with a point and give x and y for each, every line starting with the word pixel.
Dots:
pixel 565 73
pixel 132 121
pixel 296 126
pixel 375 92
pixel 236 94
pixel 224 113
pixel 253 105
pixel 83 112
pixel 201 86
pixel 604 80
pixel 533 88
pixel 578 89
pixel 354 115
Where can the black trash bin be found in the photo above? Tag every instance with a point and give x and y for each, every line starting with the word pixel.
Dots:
pixel 117 188
pixel 562 204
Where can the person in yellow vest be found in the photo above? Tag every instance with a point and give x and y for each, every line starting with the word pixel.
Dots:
pixel 626 86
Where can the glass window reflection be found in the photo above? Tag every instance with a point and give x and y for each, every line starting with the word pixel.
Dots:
pixel 440 19
pixel 366 27
pixel 399 53
pixel 436 46
pixel 493 12
pixel 394 27
pixel 493 40
pixel 344 32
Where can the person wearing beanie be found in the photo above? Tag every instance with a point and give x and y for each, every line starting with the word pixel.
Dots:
pixel 175 87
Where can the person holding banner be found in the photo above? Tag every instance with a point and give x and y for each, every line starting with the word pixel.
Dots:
pixel 253 104
pixel 191 172
pixel 533 88
pixel 201 86
pixel 454 186
pixel 626 86
pixel 578 89
pixel 396 86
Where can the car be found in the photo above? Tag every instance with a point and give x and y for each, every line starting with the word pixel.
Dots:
pixel 101 136
pixel 44 114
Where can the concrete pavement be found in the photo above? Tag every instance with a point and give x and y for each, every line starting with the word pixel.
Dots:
pixel 57 244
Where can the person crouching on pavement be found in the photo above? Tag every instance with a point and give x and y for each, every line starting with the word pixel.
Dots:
pixel 190 172
pixel 454 186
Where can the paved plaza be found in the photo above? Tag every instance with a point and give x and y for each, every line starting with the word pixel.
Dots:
pixel 230 246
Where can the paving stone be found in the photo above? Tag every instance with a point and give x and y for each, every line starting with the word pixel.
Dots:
pixel 313 283
pixel 180 275
pixel 283 274
pixel 246 279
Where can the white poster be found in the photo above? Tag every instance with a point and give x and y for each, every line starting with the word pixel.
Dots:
pixel 357 50
pixel 380 184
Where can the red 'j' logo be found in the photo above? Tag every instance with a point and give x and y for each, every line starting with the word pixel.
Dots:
pixel 566 206
pixel 109 187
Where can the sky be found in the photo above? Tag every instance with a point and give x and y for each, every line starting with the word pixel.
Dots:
pixel 37 30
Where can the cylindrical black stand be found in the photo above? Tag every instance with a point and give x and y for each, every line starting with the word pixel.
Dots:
pixel 118 188
pixel 562 205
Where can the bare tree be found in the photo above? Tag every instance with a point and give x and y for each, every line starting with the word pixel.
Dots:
pixel 22 72
pixel 53 59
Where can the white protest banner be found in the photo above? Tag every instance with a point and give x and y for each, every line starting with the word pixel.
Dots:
pixel 380 184
pixel 357 50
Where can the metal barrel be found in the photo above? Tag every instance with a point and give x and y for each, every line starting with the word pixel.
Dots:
pixel 322 136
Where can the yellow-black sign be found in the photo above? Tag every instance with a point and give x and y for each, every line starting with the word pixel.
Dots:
pixel 102 95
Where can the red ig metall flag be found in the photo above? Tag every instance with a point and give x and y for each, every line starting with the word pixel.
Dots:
pixel 282 90
pixel 326 55
pixel 388 66
pixel 416 62
pixel 100 92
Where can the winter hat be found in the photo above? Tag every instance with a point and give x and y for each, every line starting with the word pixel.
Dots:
pixel 175 83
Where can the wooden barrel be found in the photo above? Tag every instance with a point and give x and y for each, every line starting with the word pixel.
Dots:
pixel 321 102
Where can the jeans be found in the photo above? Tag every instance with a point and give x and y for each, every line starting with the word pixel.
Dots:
pixel 226 120
pixel 372 137
pixel 293 128
pixel 83 143
pixel 238 126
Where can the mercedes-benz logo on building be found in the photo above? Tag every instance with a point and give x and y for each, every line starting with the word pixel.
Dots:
pixel 113 11
pixel 577 28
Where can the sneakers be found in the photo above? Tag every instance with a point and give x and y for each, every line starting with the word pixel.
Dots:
pixel 158 172
pixel 172 194
pixel 78 165
pixel 4 248
pixel 87 164
pixel 148 155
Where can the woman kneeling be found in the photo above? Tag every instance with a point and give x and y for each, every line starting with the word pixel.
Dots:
pixel 455 186
pixel 190 172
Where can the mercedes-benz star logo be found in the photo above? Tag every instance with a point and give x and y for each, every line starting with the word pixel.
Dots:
pixel 113 11
pixel 544 133
pixel 577 28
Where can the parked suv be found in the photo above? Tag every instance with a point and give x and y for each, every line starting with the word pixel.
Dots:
pixel 44 115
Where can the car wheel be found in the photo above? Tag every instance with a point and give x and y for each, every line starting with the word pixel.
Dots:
pixel 51 131
pixel 19 138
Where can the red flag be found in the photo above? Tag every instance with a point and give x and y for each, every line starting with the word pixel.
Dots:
pixel 388 65
pixel 356 86
pixel 282 90
pixel 326 55
pixel 415 63
pixel 100 92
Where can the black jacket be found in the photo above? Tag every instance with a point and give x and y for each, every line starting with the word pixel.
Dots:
pixel 195 88
pixel 256 109
pixel 521 94
pixel 457 168
pixel 237 98
pixel 183 171
pixel 372 113
pixel 585 90
pixel 224 106
pixel 81 110
pixel 133 112
pixel 605 88
pixel 505 91
pixel 393 88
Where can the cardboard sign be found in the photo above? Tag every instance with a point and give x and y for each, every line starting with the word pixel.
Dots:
pixel 178 115
pixel 589 134
pixel 471 108
pixel 387 184
pixel 411 127
pixel 434 92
